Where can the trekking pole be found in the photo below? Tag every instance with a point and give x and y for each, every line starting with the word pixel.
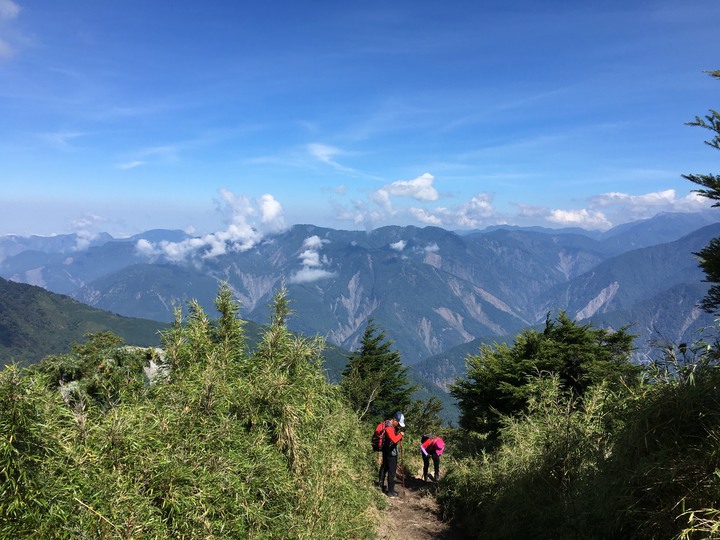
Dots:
pixel 402 465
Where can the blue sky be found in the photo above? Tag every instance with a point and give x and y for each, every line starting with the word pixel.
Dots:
pixel 241 118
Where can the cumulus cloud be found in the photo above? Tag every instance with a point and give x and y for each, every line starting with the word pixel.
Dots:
pixel 621 207
pixel 472 214
pixel 382 198
pixel 421 188
pixel 666 200
pixel 424 216
pixel 312 262
pixel 308 275
pixel 580 218
pixel 248 221
pixel 85 229
pixel 399 245
pixel 399 202
pixel 613 208
pixel 390 202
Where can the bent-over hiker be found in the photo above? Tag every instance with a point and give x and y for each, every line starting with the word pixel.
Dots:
pixel 431 447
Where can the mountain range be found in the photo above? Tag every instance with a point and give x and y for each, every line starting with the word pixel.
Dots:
pixel 432 291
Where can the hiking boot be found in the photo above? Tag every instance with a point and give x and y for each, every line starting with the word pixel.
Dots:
pixel 393 494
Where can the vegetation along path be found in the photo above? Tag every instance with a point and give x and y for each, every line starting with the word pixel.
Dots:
pixel 415 514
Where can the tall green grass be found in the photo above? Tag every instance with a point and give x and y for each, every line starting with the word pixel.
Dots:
pixel 224 443
pixel 636 463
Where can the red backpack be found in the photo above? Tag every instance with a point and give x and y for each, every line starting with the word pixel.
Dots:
pixel 378 437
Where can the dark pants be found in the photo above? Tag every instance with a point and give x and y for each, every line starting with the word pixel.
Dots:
pixel 382 472
pixel 426 465
pixel 389 468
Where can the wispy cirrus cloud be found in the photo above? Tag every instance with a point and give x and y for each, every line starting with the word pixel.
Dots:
pixel 130 165
pixel 61 140
pixel 9 11
pixel 327 154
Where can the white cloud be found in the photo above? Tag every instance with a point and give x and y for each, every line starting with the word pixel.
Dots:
pixel 308 275
pixel 580 218
pixel 146 248
pixel 272 213
pixel 248 222
pixel 314 242
pixel 421 188
pixel 613 208
pixel 85 229
pixel 130 165
pixel 8 10
pixel 61 139
pixel 478 210
pixel 326 154
pixel 424 216
pixel 480 207
pixel 399 245
pixel 473 213
pixel 621 207
pixel 381 197
pixel 658 198
pixel 312 262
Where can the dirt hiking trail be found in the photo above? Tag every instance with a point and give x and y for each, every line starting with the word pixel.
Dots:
pixel 415 514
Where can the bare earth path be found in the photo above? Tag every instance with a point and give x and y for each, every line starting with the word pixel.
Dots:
pixel 415 514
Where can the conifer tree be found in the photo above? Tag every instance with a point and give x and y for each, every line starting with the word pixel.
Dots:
pixel 375 382
pixel 496 381
pixel 710 254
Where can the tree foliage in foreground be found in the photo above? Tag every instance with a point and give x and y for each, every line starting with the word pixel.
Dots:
pixel 498 381
pixel 222 443
pixel 710 254
pixel 631 462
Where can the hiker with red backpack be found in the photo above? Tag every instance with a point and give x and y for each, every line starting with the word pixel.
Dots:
pixel 431 447
pixel 391 436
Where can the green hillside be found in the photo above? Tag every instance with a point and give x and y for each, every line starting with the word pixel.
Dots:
pixel 35 323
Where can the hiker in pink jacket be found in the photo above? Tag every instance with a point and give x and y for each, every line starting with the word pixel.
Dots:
pixel 431 447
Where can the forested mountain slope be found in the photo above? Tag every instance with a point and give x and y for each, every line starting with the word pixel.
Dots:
pixel 35 323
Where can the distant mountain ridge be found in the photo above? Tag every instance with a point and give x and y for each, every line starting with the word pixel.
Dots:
pixel 430 289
